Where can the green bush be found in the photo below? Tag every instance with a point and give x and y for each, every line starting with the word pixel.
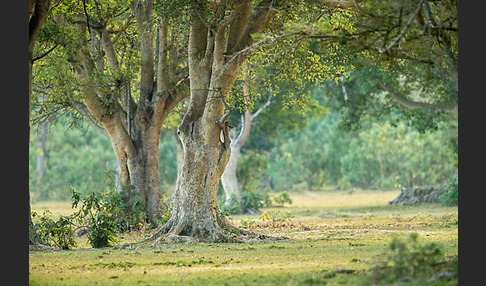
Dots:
pixel 58 233
pixel 249 200
pixel 97 215
pixel 275 218
pixel 450 194
pixel 105 213
pixel 282 198
pixel 255 199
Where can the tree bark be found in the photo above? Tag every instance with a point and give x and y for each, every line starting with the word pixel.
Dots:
pixel 231 186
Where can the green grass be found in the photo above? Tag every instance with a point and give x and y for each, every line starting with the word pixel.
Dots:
pixel 335 239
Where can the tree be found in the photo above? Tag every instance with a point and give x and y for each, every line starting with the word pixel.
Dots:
pixel 104 43
pixel 411 48
pixel 222 36
pixel 38 10
pixel 220 41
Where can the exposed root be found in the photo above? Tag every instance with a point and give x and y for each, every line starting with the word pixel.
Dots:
pixel 222 232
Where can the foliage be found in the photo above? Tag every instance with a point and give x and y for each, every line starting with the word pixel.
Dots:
pixel 269 219
pixel 409 260
pixel 450 194
pixel 97 215
pixel 250 170
pixel 58 233
pixel 77 157
pixel 387 156
pixel 106 213
pixel 379 155
pixel 298 161
pixel 275 218
pixel 167 212
pixel 282 199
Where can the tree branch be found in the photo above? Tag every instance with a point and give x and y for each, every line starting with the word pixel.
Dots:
pixel 338 4
pixel 83 110
pixel 44 54
pixel 36 21
pixel 258 21
pixel 267 103
pixel 415 105
pixel 404 30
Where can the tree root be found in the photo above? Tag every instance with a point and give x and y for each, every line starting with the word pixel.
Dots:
pixel 222 232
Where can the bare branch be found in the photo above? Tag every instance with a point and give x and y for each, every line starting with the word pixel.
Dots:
pixel 267 103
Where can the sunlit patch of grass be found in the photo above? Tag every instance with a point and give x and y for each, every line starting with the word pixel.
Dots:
pixel 56 208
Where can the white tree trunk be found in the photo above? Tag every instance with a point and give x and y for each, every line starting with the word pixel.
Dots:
pixel 229 180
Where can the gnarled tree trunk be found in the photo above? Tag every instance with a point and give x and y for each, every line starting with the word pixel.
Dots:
pixel 215 56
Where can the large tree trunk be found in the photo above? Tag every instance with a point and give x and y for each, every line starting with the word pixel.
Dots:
pixel 204 129
pixel 196 214
pixel 138 165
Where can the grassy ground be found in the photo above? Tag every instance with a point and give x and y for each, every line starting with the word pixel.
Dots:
pixel 335 239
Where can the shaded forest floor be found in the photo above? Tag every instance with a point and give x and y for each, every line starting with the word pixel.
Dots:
pixel 335 238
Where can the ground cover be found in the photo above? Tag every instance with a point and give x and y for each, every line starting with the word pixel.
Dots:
pixel 334 238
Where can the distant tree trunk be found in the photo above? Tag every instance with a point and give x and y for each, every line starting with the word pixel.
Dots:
pixel 231 186
pixel 179 155
pixel 41 156
pixel 117 175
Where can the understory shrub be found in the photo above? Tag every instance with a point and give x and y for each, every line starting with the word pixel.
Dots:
pixel 282 198
pixel 105 213
pixel 58 233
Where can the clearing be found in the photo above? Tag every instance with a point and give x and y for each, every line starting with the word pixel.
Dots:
pixel 335 237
